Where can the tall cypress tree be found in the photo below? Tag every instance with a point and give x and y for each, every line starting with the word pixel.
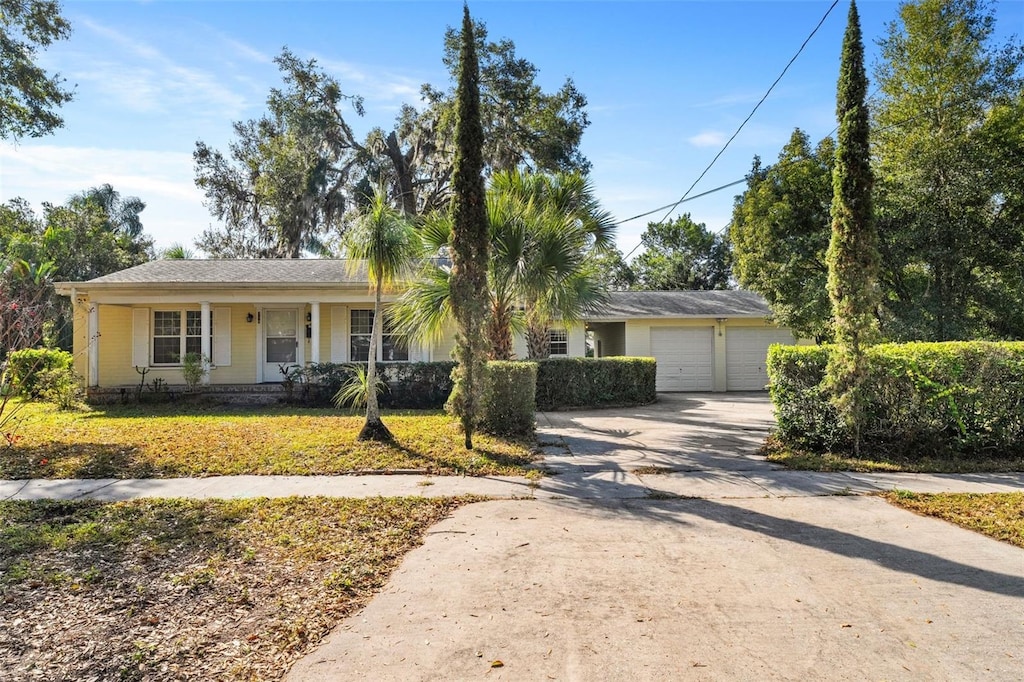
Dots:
pixel 469 245
pixel 852 256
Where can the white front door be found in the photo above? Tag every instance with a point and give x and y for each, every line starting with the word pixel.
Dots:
pixel 280 342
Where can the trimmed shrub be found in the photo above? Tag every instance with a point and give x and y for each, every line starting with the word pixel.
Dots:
pixel 24 366
pixel 590 382
pixel 954 398
pixel 508 402
pixel 414 385
pixel 803 411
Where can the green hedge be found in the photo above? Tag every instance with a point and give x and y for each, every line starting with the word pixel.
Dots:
pixel 508 401
pixel 23 367
pixel 955 398
pixel 411 386
pixel 589 382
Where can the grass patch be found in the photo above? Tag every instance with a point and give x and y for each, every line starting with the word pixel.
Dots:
pixel 804 460
pixel 189 589
pixel 663 495
pixel 653 471
pixel 201 440
pixel 998 515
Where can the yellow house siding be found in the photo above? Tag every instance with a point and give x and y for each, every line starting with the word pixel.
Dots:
pixel 115 346
pixel 80 339
pixel 243 349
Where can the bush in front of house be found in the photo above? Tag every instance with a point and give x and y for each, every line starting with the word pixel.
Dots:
pixel 952 398
pixel 24 367
pixel 412 385
pixel 508 401
pixel 590 382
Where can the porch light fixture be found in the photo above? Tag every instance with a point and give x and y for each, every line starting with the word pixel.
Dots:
pixel 721 321
pixel 248 318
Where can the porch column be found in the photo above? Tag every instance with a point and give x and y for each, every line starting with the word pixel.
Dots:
pixel 93 344
pixel 204 343
pixel 314 323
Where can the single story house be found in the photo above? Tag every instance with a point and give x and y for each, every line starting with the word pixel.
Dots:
pixel 253 317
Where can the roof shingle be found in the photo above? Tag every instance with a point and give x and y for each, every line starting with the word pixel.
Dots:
pixel 642 304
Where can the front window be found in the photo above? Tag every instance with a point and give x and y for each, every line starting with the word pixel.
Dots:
pixel 172 340
pixel 558 342
pixel 394 346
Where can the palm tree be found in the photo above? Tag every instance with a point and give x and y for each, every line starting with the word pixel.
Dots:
pixel 177 251
pixel 543 230
pixel 568 228
pixel 389 246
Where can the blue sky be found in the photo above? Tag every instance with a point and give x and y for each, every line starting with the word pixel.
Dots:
pixel 667 82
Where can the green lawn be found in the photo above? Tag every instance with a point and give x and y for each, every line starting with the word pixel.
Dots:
pixel 998 515
pixel 196 440
pixel 794 458
pixel 188 589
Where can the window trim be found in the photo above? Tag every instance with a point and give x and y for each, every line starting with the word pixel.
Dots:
pixel 384 334
pixel 564 334
pixel 183 335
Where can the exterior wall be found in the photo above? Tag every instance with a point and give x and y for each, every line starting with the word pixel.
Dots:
pixel 577 337
pixel 115 348
pixel 116 343
pixel 80 340
pixel 243 349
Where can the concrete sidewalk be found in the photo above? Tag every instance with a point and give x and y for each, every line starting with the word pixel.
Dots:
pixel 597 485
pixel 691 445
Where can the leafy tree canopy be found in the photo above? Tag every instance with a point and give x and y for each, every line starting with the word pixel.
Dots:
pixel 29 96
pixel 94 233
pixel 682 254
pixel 780 231
pixel 288 176
pixel 285 183
pixel 951 235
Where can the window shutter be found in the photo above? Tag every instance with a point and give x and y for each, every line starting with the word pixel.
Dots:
pixel 339 333
pixel 140 337
pixel 221 337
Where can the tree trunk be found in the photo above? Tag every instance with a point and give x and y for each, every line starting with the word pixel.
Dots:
pixel 374 429
pixel 499 334
pixel 538 341
pixel 404 173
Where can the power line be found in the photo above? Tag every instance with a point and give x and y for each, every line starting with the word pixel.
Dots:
pixel 672 207
pixel 682 201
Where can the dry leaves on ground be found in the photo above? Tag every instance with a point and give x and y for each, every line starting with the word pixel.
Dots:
pixel 190 590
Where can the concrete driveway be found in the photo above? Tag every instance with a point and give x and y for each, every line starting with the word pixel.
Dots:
pixel 592 579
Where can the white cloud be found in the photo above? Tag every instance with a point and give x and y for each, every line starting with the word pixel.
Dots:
pixel 147 80
pixel 164 180
pixel 729 99
pixel 371 84
pixel 708 138
pixel 246 51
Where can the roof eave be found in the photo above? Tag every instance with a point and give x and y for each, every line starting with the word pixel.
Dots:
pixel 66 288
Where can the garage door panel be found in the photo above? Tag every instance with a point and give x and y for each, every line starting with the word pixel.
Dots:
pixel 746 355
pixel 685 358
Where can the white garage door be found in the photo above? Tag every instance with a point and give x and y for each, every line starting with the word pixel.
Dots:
pixel 685 357
pixel 746 352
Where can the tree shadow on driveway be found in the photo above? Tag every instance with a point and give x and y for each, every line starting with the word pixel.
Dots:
pixel 937 564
